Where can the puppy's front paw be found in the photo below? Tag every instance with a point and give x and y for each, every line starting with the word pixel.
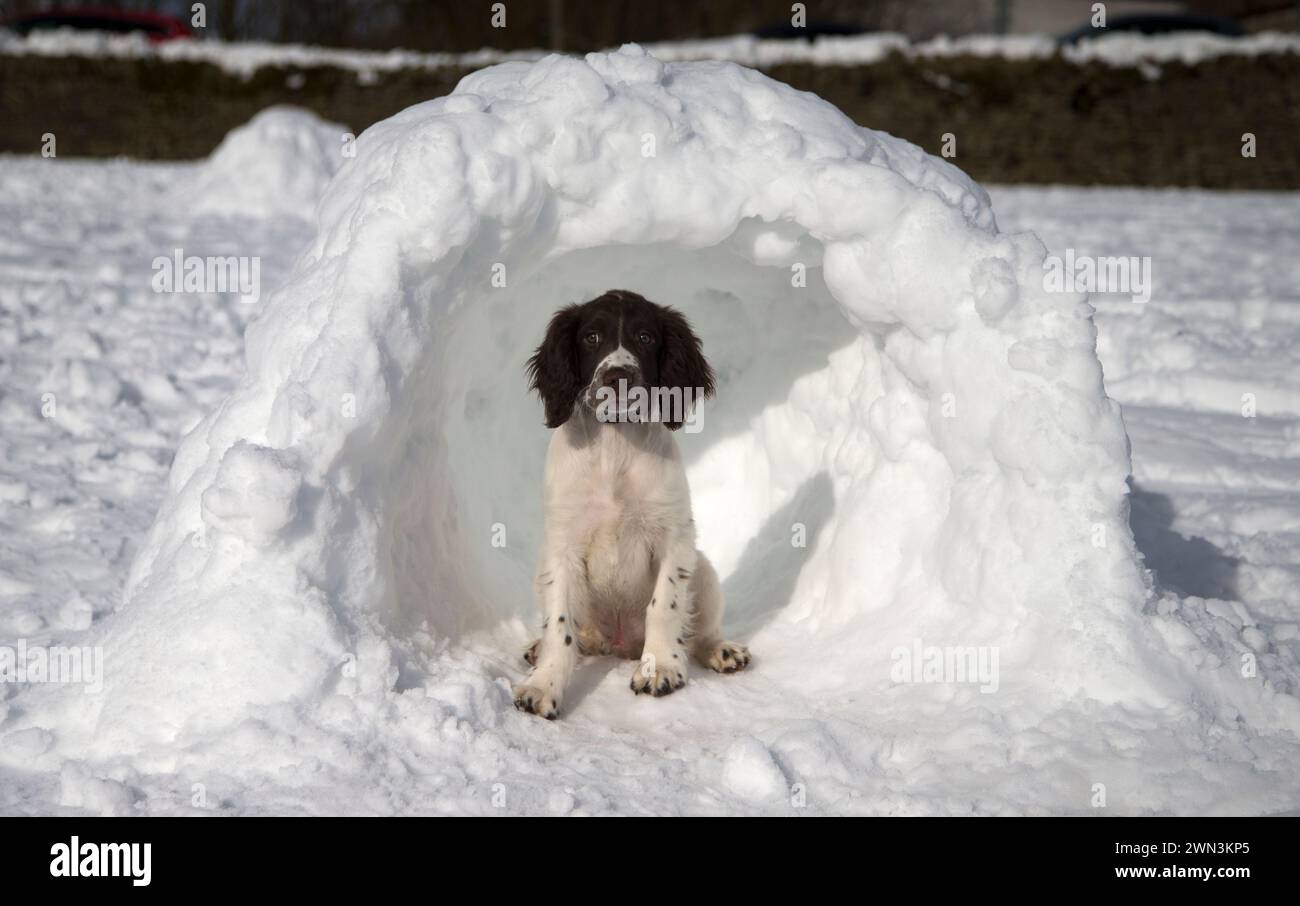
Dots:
pixel 726 657
pixel 660 675
pixel 535 701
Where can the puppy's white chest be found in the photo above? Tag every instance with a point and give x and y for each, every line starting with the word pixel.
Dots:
pixel 612 498
pixel 618 538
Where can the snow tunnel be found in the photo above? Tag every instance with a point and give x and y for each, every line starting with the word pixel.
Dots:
pixel 910 439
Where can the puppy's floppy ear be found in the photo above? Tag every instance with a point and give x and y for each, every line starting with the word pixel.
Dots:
pixel 553 368
pixel 681 358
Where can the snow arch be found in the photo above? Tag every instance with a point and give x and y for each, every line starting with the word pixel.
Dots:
pixel 922 411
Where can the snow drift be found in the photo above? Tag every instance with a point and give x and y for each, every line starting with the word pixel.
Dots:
pixel 278 163
pixel 911 446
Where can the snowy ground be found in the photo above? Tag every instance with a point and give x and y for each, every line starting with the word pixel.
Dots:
pixel 1216 513
pixel 1216 506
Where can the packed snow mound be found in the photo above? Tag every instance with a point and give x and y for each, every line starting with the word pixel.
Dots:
pixel 932 417
pixel 277 163
pixel 911 446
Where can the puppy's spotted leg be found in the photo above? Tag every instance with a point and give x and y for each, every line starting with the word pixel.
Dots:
pixel 662 670
pixel 556 652
pixel 590 644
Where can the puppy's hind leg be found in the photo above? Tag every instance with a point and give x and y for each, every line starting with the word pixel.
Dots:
pixel 707 644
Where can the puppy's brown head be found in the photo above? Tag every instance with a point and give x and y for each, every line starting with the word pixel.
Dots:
pixel 618 339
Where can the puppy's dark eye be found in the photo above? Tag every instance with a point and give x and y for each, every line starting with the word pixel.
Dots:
pixel 645 338
pixel 592 339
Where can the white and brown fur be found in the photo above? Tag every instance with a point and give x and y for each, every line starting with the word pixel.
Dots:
pixel 619 572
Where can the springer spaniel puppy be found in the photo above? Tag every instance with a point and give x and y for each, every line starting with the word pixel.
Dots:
pixel 619 572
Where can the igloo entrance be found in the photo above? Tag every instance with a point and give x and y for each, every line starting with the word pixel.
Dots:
pixel 769 328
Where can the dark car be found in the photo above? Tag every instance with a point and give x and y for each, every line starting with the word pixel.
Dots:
pixel 154 26
pixel 1158 24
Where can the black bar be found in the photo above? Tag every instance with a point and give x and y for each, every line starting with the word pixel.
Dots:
pixel 328 855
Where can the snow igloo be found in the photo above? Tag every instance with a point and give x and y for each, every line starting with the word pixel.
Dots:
pixel 910 448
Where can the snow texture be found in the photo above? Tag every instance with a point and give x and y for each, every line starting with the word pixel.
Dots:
pixel 277 163
pixel 913 449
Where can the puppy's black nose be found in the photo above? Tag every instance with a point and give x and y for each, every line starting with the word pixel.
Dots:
pixel 614 375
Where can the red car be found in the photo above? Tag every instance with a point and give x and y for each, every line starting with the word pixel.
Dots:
pixel 154 26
